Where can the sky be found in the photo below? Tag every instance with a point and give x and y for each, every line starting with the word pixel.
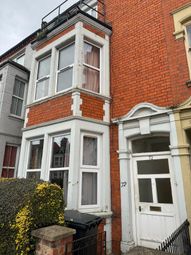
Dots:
pixel 20 18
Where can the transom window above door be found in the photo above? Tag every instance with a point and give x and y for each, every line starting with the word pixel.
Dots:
pixel 151 144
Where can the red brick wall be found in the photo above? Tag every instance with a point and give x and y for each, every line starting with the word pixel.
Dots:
pixel 92 107
pixel 94 30
pixel 53 109
pixel 55 38
pixel 147 65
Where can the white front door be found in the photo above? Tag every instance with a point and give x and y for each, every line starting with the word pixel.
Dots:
pixel 154 199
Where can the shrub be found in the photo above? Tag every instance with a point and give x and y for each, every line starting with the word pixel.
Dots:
pixel 26 205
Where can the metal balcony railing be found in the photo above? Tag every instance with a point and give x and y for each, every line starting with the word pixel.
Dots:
pixel 64 11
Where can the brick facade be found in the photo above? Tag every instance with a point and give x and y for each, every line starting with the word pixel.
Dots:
pixel 147 65
pixel 53 109
pixel 92 107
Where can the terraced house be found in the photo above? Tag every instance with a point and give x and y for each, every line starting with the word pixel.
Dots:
pixel 108 114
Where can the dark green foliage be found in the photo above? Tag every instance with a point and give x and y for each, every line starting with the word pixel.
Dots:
pixel 44 202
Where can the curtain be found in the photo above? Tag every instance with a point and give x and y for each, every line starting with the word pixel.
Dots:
pixel 91 75
pixel 90 151
pixel 89 188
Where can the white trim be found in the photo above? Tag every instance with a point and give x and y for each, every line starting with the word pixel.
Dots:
pixel 129 128
pixel 76 127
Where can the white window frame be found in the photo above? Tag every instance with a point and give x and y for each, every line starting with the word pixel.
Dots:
pixel 23 99
pixel 90 169
pixel 28 170
pixel 42 78
pixel 50 158
pixel 93 67
pixel 65 68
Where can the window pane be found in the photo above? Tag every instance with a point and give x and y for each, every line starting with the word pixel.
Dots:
pixel 14 105
pixel 145 191
pixel 65 79
pixel 164 192
pixel 159 166
pixel 89 188
pixel 10 156
pixel 66 57
pixel 189 35
pixel 60 152
pixel 44 68
pixel 151 144
pixel 7 173
pixel 35 157
pixel 21 89
pixel 90 151
pixel 19 107
pixel 61 179
pixel 16 88
pixel 91 79
pixel 91 55
pixel 42 88
pixel 33 175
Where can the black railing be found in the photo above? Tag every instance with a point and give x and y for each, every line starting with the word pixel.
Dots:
pixel 64 11
pixel 179 242
pixel 89 245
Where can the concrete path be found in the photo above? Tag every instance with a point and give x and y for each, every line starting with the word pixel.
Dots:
pixel 145 251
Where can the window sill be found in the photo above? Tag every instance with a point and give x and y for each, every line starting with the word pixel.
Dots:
pixel 11 116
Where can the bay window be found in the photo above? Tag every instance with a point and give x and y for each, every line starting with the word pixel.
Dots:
pixel 43 77
pixel 65 68
pixel 89 171
pixel 18 98
pixel 60 159
pixel 91 68
pixel 35 158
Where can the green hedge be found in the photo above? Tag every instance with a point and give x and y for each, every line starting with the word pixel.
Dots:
pixel 26 205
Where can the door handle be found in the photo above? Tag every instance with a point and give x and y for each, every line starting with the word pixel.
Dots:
pixel 139 208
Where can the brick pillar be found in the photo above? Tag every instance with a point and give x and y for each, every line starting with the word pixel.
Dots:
pixel 53 240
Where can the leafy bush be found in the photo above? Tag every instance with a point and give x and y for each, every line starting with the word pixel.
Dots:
pixel 26 205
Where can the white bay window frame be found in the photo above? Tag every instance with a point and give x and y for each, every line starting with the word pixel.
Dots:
pixel 79 35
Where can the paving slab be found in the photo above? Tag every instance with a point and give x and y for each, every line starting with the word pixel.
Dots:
pixel 145 251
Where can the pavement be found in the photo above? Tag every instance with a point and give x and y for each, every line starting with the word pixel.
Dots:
pixel 145 251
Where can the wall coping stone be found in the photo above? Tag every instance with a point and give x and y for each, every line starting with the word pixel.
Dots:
pixel 53 233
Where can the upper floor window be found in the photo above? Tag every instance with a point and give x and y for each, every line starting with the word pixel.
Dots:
pixel 65 68
pixel 43 76
pixel 91 72
pixel 18 98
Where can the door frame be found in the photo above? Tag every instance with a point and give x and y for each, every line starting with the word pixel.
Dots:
pixel 135 191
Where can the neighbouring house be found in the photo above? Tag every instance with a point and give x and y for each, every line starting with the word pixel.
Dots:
pixel 108 114
pixel 14 77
